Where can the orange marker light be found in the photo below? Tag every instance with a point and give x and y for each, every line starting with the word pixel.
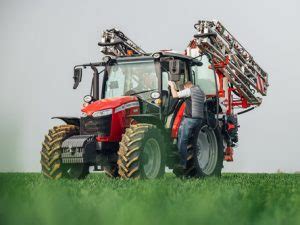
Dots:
pixel 129 52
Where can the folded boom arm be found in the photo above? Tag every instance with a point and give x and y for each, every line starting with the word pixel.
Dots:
pixel 114 42
pixel 248 80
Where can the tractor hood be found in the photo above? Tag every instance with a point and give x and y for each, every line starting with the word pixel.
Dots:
pixel 109 103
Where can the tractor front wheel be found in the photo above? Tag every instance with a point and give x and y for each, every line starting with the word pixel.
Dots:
pixel 52 166
pixel 111 170
pixel 142 153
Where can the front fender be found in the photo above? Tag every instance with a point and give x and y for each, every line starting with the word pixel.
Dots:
pixel 148 118
pixel 69 120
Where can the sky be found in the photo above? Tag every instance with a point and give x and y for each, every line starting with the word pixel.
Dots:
pixel 41 41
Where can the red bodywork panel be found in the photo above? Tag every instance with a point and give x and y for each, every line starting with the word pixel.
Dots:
pixel 228 155
pixel 109 103
pixel 121 107
pixel 177 121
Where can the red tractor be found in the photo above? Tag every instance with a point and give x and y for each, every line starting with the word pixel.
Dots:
pixel 129 123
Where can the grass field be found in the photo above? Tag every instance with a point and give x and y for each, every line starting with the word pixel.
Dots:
pixel 233 199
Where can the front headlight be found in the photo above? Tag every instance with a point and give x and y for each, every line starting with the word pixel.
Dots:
pixel 105 112
pixel 87 98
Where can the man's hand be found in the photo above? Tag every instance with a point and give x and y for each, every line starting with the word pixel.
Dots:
pixel 171 84
pixel 173 91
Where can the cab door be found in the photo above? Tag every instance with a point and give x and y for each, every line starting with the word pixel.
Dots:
pixel 205 77
pixel 169 103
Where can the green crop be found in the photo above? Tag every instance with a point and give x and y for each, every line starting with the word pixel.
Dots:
pixel 241 199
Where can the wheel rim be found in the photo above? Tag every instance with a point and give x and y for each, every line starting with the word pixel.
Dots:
pixel 207 150
pixel 152 158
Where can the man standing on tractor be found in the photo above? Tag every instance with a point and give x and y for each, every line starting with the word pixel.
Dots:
pixel 193 116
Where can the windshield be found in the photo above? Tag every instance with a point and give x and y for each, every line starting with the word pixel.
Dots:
pixel 127 78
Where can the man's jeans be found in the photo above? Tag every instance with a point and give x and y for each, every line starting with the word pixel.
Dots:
pixel 186 128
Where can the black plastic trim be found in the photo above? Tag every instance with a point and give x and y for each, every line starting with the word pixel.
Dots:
pixel 68 120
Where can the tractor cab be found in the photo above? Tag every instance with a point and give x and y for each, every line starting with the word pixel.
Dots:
pixel 146 78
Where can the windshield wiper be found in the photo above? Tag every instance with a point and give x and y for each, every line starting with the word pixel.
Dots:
pixel 140 92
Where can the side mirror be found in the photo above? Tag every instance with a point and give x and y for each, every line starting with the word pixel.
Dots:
pixel 77 77
pixel 176 68
pixel 197 63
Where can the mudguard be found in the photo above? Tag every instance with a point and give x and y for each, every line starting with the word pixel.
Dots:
pixel 69 120
pixel 148 118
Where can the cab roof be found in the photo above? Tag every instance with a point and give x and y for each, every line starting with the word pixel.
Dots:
pixel 150 56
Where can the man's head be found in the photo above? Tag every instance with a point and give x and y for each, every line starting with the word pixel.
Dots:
pixel 188 84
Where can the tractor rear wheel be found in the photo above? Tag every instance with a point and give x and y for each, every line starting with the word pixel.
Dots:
pixel 208 152
pixel 190 170
pixel 142 152
pixel 205 154
pixel 52 166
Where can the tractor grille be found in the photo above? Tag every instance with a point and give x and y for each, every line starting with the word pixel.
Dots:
pixel 100 126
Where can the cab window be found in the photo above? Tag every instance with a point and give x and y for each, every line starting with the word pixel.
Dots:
pixel 204 77
pixel 166 77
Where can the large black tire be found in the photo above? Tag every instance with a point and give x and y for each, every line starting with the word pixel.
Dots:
pixel 111 170
pixel 142 152
pixel 190 170
pixel 51 155
pixel 213 165
pixel 195 166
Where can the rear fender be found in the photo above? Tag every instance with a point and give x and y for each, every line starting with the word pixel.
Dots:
pixel 69 120
pixel 176 121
